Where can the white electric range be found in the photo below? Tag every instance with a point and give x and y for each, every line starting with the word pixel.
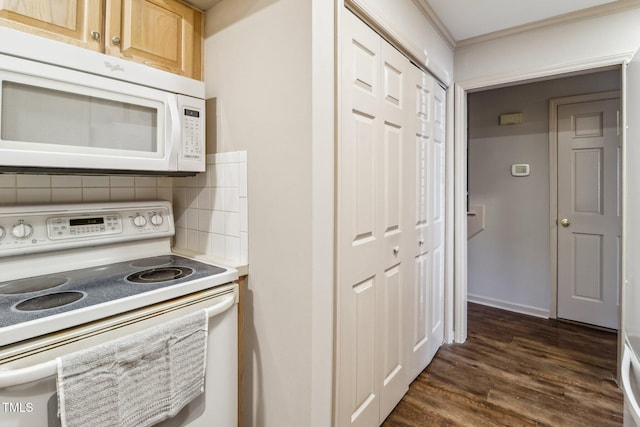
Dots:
pixel 74 276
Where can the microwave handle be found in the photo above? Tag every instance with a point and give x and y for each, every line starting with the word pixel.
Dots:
pixel 13 377
pixel 174 132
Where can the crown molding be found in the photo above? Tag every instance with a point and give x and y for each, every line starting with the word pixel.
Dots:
pixel 605 9
pixel 439 26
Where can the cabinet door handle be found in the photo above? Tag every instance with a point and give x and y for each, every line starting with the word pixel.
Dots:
pixel 115 40
pixel 396 250
pixel 95 35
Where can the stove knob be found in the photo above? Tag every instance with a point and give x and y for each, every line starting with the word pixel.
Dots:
pixel 156 219
pixel 22 230
pixel 139 221
pixel 2 232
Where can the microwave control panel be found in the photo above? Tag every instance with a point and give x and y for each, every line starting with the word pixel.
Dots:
pixel 192 155
pixel 192 144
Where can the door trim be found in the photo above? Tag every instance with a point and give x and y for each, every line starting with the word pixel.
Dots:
pixel 554 103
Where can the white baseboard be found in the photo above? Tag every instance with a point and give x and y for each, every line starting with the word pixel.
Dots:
pixel 506 305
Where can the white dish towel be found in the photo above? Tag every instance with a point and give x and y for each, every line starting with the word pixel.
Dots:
pixel 137 380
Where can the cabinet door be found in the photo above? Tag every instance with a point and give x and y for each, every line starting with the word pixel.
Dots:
pixel 69 21
pixel 165 34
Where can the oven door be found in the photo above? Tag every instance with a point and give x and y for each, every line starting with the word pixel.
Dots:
pixel 54 117
pixel 28 370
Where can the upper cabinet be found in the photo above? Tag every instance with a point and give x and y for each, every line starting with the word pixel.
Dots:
pixel 165 34
pixel 78 22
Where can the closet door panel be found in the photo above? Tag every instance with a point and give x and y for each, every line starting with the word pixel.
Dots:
pixel 389 212
pixel 437 220
pixel 394 123
pixel 419 319
pixel 361 276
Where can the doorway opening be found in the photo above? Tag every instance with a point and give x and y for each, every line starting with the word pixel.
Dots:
pixel 510 263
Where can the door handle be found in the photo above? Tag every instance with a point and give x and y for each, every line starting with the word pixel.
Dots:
pixel 565 222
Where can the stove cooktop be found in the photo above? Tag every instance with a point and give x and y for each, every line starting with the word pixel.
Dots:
pixel 29 299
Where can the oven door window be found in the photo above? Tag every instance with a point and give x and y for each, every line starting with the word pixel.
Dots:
pixel 79 119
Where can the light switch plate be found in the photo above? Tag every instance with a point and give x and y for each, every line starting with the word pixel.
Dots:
pixel 520 169
pixel 511 119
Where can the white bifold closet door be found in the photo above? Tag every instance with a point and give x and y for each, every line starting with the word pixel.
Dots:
pixel 425 291
pixel 390 225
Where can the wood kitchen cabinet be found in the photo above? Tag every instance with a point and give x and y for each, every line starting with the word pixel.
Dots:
pixel 68 21
pixel 165 34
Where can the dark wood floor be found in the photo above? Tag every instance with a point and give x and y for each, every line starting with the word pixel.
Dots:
pixel 517 370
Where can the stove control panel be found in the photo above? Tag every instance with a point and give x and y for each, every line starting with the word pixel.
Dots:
pixel 70 227
pixel 46 228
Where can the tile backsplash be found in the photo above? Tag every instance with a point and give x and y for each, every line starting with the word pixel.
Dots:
pixel 211 209
pixel 18 189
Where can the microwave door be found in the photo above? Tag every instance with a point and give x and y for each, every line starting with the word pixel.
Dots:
pixel 60 118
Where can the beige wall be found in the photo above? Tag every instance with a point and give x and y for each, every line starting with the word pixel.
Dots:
pixel 258 66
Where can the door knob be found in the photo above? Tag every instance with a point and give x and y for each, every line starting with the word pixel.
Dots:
pixel 565 222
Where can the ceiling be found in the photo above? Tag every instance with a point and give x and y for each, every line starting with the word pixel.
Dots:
pixel 462 22
pixel 466 19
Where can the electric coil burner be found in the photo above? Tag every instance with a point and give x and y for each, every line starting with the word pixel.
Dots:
pixel 159 275
pixel 32 284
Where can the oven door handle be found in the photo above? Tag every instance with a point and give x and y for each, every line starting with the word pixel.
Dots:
pixel 13 377
pixel 224 305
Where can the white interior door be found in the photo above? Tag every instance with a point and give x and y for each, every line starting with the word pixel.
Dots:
pixel 589 220
pixel 371 273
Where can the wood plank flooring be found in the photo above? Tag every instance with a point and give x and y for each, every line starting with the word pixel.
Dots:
pixel 517 370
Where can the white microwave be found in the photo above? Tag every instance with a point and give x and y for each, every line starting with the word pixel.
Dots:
pixel 64 109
